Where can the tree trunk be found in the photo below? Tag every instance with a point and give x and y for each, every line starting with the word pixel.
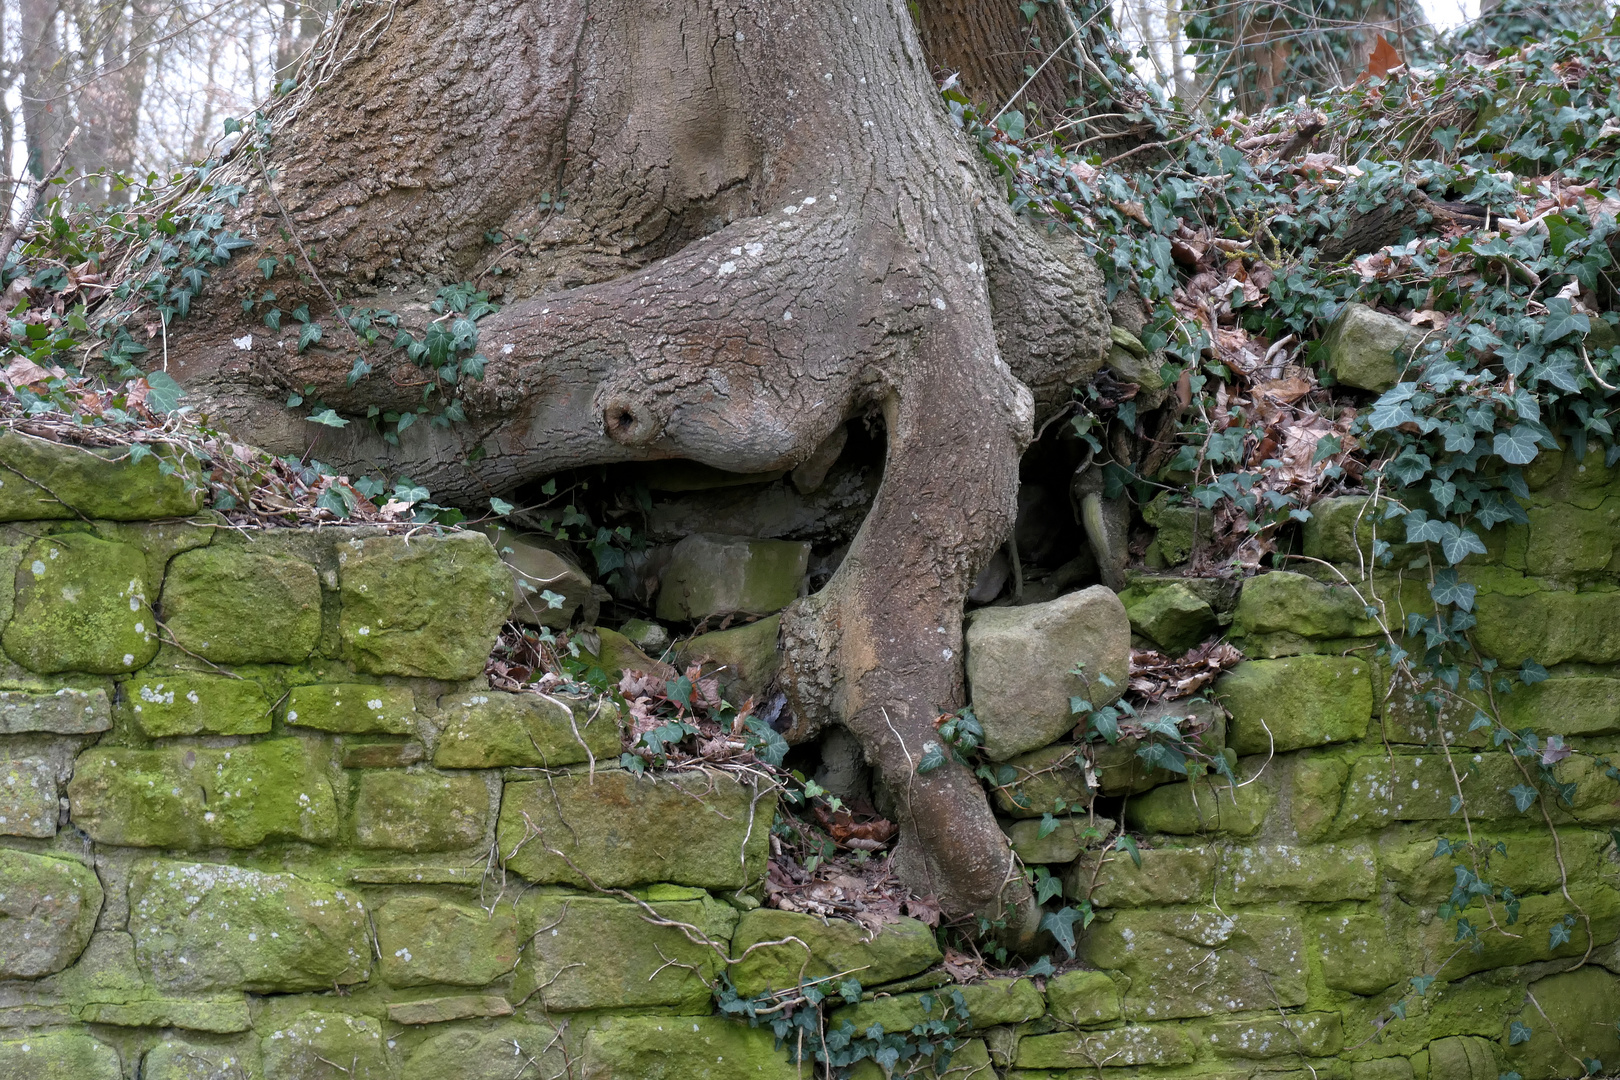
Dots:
pixel 759 223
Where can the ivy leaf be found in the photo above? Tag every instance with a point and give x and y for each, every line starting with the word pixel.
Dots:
pixel 1531 673
pixel 500 506
pixel 1563 320
pixel 330 418
pixel 1421 984
pixel 1448 590
pixel 1518 1032
pixel 1516 447
pixel 309 335
pixel 1128 843
pixel 1060 924
pixel 1048 826
pixel 1524 796
pixel 163 393
pixel 1041 967
pixel 1048 887
pixel 1460 544
pixel 933 758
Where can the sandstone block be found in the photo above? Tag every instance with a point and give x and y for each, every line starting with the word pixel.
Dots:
pixel 1360 953
pixel 81 606
pixel 1282 602
pixel 196 797
pixel 353 708
pixel 420 811
pixel 201 927
pixel 1550 627
pixel 177 1059
pixel 28 799
pixel 442 1010
pixel 1044 781
pixel 425 940
pixel 1304 701
pixel 1174 618
pixel 427 606
pixel 683 1048
pixel 986 1004
pixel 623 830
pixel 62 712
pixel 48 909
pixel 1581 1004
pixel 1565 705
pixel 1368 349
pixel 1136 1044
pixel 494 1053
pixel 234 605
pixel 192 703
pixel 1251 875
pixel 744 655
pixel 536 571
pixel 710 574
pixel 45 480
pixel 1019 661
pixel 307 1048
pixel 1166 876
pixel 63 1056
pixel 1318 1034
pixel 894 952
pixel 1083 998
pixel 1063 845
pixel 487 729
pixel 1193 807
pixel 1420 787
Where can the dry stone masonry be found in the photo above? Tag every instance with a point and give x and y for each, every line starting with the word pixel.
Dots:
pixel 263 818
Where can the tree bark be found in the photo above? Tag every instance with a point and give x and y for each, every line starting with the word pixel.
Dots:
pixel 769 227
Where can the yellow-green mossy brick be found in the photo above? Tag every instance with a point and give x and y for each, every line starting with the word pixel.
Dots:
pixel 1165 876
pixel 428 606
pixel 353 708
pixel 302 1049
pixel 1083 997
pixel 1296 702
pixel 203 797
pixel 688 828
pixel 1582 1006
pixel 232 604
pixel 192 703
pixel 1136 1044
pixel 208 927
pixel 180 1059
pixel 897 950
pixel 426 940
pixel 594 952
pixel 1283 872
pixel 48 909
pixel 1202 806
pixel 1361 953
pixel 81 606
pixel 420 810
pixel 1283 602
pixel 683 1048
pixel 43 479
pixel 489 729
pixel 1311 1034
pixel 495 1052
pixel 60 1056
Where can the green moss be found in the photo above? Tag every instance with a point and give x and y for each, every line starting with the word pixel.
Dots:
pixel 593 952
pixel 1041 782
pixel 28 799
pixel 1282 602
pixel 1318 789
pixel 1137 1044
pixel 81 606
pixel 233 605
pixel 429 606
pixel 41 480
pixel 623 830
pixel 420 811
pixel 353 708
pixel 196 797
pixel 179 1059
pixel 1581 1007
pixel 1566 704
pixel 1166 876
pixel 1083 998
pixel 1175 618
pixel 494 1052
pixel 682 1048
pixel 1549 626
pixel 1192 807
pixel 1297 702
pixel 745 656
pixel 825 948
pixel 425 940
pixel 190 703
pixel 1361 953
pixel 202 927
pixel 68 711
pixel 1404 787
pixel 329 1046
pixel 1062 845
pixel 48 909
pixel 712 575
pixel 1531 933
pixel 64 1056
pixel 1265 872
pixel 1315 1035
pixel 487 729
pixel 995 1001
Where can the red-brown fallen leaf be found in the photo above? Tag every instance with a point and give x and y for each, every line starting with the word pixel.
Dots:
pixel 1383 60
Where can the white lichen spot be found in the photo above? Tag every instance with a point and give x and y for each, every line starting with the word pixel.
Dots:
pixel 506 350
pixel 245 342
pixel 938 303
pixel 364 631
pixel 38 568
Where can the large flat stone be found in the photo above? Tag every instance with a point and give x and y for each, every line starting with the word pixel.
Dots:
pixel 1045 781
pixel 197 797
pixel 1264 872
pixel 426 940
pixel 1565 705
pixel 683 1048
pixel 420 811
pixel 1420 787
pixel 1296 702
pixel 688 828
pixel 193 703
pixel 1198 963
pixel 61 1056
pixel 234 605
pixel 1083 998
pixel 1166 876
pixel 496 1052
pixel 66 711
pixel 429 606
pixel 1019 661
pixel 48 909
pixel 1548 626
pixel 28 801
pixel 593 952
pixel 710 574
pixel 203 927
pixel 1193 807
pixel 825 948
pixel 81 606
pixel 488 729
pixel 1283 602
pixel 1359 953
pixel 1367 349
pixel 42 480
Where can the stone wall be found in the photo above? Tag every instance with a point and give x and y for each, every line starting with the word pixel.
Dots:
pixel 261 816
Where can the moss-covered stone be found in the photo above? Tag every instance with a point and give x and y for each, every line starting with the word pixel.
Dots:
pixel 1019 661
pixel 1565 704
pixel 234 605
pixel 496 1052
pixel 1251 875
pixel 179 1059
pixel 81 606
pixel 1532 932
pixel 383 755
pixel 536 571
pixel 1135 1044
pixel 710 574
pixel 1296 702
pixel 28 799
pixel 1318 1034
pixel 193 703
pixel 42 480
pixel 202 927
pixel 1529 860
pixel 1174 618
pixel 1360 953
pixel 1581 1005
pixel 1403 787
pixel 1564 540
pixel 1119 769
pixel 1422 712
pixel 622 830
pixel 1166 876
pixel 1083 998
pixel 197 797
pixel 488 729
pixel 443 1010
pixel 429 606
pixel 48 909
pixel 1181 528
pixel 220 1015
pixel 593 952
pixel 683 1048
pixel 825 948
pixel 1548 625
pixel 68 711
pixel 1043 781
pixel 1367 349
pixel 1318 788
pixel 420 811
pixel 1062 845
pixel 329 1046
pixel 743 658
pixel 353 708
pixel 1282 602
pixel 986 1004
pixel 1195 963
pixel 426 939
pixel 1342 529
pixel 1202 807
pixel 61 1056
pixel 1467 1057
